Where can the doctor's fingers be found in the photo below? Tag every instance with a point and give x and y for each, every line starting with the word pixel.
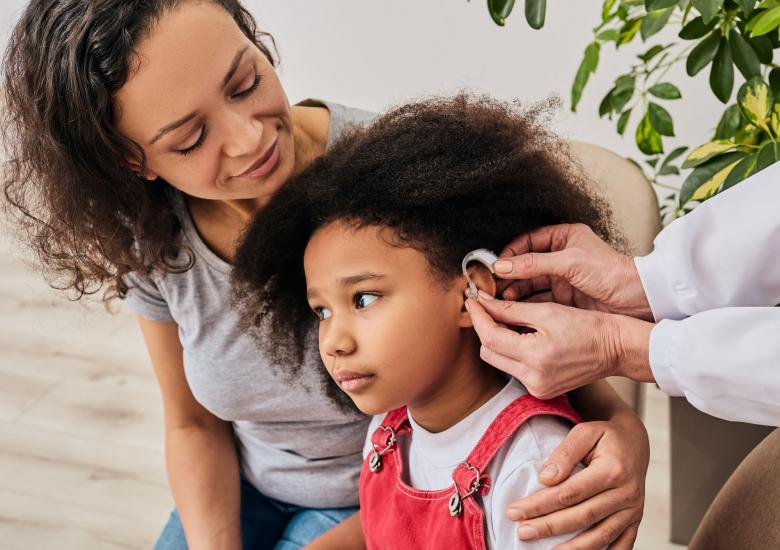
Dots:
pixel 545 239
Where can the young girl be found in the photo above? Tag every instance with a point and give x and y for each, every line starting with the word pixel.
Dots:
pixel 370 239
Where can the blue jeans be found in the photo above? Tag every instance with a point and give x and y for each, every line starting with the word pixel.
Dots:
pixel 266 523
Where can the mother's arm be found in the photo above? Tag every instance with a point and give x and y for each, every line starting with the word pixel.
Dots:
pixel 199 449
pixel 607 497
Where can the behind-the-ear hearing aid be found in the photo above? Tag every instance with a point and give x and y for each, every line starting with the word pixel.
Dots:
pixel 483 256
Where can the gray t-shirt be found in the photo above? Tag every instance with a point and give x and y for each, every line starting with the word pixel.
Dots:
pixel 294 444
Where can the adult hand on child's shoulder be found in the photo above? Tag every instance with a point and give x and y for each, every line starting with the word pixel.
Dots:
pixel 606 499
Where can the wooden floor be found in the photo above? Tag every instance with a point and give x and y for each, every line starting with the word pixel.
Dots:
pixel 81 442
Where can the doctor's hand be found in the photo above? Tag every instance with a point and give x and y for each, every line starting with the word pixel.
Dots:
pixel 559 348
pixel 569 264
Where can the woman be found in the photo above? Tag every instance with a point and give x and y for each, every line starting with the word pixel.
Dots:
pixel 144 134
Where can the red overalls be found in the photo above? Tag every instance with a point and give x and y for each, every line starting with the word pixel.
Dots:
pixel 397 516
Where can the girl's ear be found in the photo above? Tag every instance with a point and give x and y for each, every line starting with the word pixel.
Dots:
pixel 485 282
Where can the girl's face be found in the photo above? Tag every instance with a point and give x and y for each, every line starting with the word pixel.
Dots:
pixel 207 107
pixel 389 332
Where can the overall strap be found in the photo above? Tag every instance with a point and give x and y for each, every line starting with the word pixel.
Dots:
pixel 468 475
pixel 393 424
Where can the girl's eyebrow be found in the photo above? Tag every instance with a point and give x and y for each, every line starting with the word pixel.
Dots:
pixel 348 281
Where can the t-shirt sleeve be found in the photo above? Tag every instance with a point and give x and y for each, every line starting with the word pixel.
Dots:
pixel 145 298
pixel 523 481
pixel 519 477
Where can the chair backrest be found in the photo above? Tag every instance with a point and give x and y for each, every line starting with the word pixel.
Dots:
pixel 634 203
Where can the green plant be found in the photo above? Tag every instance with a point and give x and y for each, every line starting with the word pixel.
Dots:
pixel 723 35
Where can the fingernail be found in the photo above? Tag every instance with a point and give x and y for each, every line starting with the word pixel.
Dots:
pixel 484 295
pixel 467 305
pixel 549 471
pixel 503 266
pixel 526 532
pixel 515 514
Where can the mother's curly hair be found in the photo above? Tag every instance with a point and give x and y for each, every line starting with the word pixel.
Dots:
pixel 87 215
pixel 445 175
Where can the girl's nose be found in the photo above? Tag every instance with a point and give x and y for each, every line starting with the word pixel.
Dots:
pixel 337 340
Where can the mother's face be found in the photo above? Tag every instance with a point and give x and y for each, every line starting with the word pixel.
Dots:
pixel 207 107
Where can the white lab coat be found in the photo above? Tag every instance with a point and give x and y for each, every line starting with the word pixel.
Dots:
pixel 712 281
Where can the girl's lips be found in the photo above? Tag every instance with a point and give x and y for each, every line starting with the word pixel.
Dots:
pixel 352 381
pixel 265 164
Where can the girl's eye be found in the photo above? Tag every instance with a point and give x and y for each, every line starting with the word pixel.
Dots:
pixel 363 299
pixel 251 89
pixel 322 313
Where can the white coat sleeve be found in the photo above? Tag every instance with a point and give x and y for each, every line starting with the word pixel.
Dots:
pixel 726 253
pixel 725 362
pixel 711 281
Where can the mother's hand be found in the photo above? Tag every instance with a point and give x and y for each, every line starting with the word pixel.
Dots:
pixel 606 499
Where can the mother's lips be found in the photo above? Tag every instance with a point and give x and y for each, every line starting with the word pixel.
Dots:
pixel 261 161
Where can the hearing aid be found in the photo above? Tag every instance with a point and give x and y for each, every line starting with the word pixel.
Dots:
pixel 483 256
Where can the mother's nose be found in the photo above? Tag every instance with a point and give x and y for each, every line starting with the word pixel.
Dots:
pixel 243 136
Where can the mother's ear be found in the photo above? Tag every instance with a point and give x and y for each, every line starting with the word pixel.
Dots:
pixel 485 282
pixel 145 173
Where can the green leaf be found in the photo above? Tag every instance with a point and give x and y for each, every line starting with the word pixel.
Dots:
pixel 768 155
pixel 629 30
pixel 652 162
pixel 704 153
pixel 762 45
pixel 702 54
pixel 609 35
pixel 500 10
pixel 711 186
pixel 742 170
pixel 669 171
pixel 651 53
pixel 625 83
pixel 660 119
pixel 647 138
pixel 605 107
pixel 704 173
pixel 654 21
pixel 755 100
pixel 652 5
pixel 534 13
pixel 722 72
pixel 623 121
pixel 622 92
pixel 696 29
pixel 747 6
pixel 673 155
pixel 665 90
pixel 707 8
pixel 767 4
pixel 765 22
pixel 744 56
pixel 606 10
pixel 774 82
pixel 774 119
pixel 588 66
pixel 730 123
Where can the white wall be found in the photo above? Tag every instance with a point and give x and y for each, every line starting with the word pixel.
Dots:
pixel 374 53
